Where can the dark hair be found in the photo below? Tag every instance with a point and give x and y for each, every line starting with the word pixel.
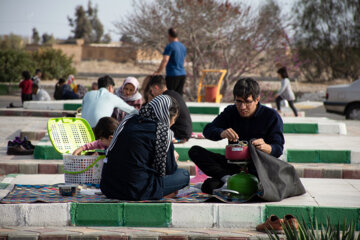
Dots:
pixel 283 73
pixel 105 81
pixel 35 86
pixel 246 87
pixel 26 75
pixel 157 80
pixel 174 109
pixel 37 71
pixel 105 127
pixel 61 81
pixel 172 33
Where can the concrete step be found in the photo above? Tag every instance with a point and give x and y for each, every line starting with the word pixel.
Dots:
pixel 299 128
pixel 298 148
pixel 333 198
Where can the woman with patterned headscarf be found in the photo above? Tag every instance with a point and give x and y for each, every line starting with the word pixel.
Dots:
pixel 140 163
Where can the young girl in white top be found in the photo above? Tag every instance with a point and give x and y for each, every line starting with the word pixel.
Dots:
pixel 285 91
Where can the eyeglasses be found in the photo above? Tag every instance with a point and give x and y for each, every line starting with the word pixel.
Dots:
pixel 246 103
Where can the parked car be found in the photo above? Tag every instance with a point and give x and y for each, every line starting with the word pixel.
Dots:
pixel 344 99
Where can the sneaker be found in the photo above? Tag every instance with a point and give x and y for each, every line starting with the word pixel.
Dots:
pixel 211 184
pixel 27 144
pixel 12 144
pixel 18 140
pixel 273 223
pixel 290 221
pixel 19 150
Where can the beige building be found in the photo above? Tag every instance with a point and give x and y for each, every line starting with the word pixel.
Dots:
pixel 115 52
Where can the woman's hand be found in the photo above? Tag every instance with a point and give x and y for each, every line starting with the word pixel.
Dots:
pixel 78 151
pixel 262 145
pixel 176 155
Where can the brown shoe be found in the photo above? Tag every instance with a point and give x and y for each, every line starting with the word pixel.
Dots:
pixel 290 221
pixel 272 223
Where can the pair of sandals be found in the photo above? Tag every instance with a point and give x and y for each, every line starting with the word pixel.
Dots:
pixel 276 224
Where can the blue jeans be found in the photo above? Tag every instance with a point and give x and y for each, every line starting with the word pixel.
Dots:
pixel 176 181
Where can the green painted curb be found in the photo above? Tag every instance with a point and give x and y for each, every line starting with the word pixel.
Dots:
pixel 46 152
pixel 184 156
pixel 204 110
pixel 97 214
pixel 147 214
pixel 199 126
pixel 300 212
pixel 337 215
pixel 303 128
pixel 71 106
pixel 4 185
pixel 310 128
pixel 319 156
pixel 121 214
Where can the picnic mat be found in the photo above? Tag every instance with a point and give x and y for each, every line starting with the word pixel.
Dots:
pixel 50 194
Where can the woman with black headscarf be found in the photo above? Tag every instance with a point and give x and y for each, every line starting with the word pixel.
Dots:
pixel 140 163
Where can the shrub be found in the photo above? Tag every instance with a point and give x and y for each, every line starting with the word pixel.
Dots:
pixel 13 63
pixel 53 63
pixel 315 231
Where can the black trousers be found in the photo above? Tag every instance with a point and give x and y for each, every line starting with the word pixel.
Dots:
pixel 212 164
pixel 291 104
pixel 176 83
pixel 26 97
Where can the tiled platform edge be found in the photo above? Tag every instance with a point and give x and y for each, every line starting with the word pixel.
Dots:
pixel 176 215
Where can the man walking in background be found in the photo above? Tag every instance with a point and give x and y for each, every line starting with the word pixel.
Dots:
pixel 174 60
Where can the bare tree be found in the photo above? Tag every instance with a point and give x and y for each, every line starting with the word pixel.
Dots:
pixel 217 34
pixel 327 36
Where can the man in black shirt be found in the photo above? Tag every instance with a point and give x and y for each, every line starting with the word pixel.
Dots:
pixel 245 120
pixel 183 126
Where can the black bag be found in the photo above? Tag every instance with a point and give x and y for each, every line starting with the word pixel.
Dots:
pixel 278 179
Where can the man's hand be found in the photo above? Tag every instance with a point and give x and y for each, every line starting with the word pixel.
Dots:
pixel 261 145
pixel 230 134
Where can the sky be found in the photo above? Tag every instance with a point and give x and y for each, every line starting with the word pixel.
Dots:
pixel 50 16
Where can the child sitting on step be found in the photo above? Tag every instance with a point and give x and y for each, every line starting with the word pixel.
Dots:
pixel 103 131
pixel 129 92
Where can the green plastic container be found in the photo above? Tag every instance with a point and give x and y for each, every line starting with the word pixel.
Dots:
pixel 245 184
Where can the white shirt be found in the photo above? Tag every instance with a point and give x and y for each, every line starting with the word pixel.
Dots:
pixel 285 91
pixel 101 103
pixel 41 95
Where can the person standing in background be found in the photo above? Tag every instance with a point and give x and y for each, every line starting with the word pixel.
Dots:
pixel 37 78
pixel 174 60
pixel 285 91
pixel 26 87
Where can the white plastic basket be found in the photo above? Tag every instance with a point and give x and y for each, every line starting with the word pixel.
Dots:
pixel 83 169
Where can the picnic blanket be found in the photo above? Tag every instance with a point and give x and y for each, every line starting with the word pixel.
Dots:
pixel 50 194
